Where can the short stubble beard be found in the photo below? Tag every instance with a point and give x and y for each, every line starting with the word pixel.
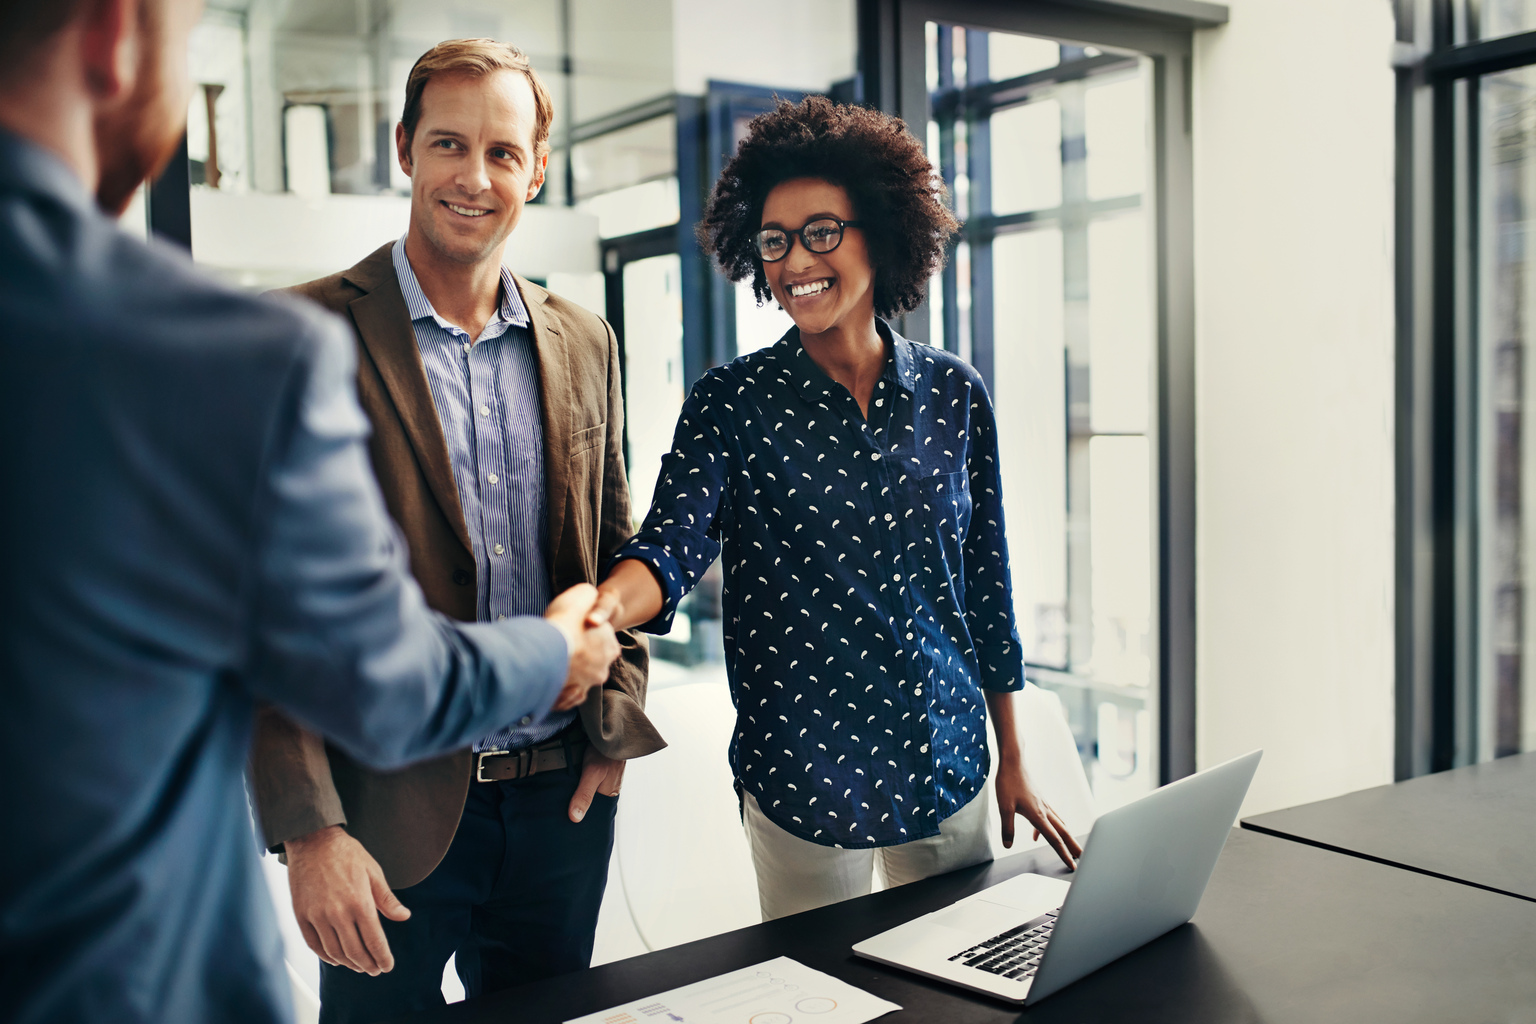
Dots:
pixel 454 248
pixel 140 135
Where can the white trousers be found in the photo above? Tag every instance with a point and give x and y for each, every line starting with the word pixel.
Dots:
pixel 794 874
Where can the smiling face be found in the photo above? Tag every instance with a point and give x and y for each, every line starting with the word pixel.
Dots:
pixel 821 291
pixel 471 163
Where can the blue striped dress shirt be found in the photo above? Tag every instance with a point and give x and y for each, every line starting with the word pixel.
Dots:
pixel 486 392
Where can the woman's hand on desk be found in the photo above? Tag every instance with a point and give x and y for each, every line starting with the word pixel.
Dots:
pixel 1016 796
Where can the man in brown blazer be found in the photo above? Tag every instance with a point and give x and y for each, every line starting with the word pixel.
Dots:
pixel 497 420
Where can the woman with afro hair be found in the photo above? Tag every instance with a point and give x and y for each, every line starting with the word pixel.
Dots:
pixel 849 480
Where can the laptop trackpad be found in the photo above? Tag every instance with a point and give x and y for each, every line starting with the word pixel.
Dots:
pixel 1006 904
pixel 1034 894
pixel 978 916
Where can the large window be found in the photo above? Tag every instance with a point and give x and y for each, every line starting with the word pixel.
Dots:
pixel 1467 379
pixel 1506 464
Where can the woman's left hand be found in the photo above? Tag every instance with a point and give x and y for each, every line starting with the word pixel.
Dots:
pixel 1016 796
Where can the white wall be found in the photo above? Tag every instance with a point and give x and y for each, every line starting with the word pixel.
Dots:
pixel 795 44
pixel 1293 137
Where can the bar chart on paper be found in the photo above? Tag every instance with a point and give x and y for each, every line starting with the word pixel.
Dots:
pixel 779 991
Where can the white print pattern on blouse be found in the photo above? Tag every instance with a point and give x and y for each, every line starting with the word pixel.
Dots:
pixel 866 601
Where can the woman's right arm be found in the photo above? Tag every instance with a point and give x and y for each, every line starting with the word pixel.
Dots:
pixel 679 539
pixel 628 597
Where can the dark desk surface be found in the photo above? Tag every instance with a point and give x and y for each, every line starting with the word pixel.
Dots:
pixel 1286 933
pixel 1475 825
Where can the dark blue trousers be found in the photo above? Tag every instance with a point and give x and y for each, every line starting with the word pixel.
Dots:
pixel 516 897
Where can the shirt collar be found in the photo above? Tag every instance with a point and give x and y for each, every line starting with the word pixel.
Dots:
pixel 512 309
pixel 905 358
pixel 812 381
pixel 26 164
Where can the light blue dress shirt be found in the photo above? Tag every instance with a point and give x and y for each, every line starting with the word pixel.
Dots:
pixel 486 393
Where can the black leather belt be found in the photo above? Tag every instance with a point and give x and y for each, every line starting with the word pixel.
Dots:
pixel 504 766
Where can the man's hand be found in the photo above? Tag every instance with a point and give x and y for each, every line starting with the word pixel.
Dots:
pixel 1015 795
pixel 338 894
pixel 599 774
pixel 593 648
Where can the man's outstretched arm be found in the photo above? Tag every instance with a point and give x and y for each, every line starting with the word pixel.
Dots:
pixel 339 634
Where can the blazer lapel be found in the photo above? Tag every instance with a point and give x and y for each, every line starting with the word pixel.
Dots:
pixel 384 325
pixel 555 389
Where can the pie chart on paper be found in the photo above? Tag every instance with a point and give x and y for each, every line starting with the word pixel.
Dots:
pixel 777 991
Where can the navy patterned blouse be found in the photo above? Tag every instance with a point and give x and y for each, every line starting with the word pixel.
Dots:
pixel 866 601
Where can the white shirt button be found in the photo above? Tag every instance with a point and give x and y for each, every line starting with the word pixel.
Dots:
pixel 896 576
pixel 525 720
pixel 493 478
pixel 499 549
pixel 485 410
pixel 466 348
pixel 889 517
pixel 876 456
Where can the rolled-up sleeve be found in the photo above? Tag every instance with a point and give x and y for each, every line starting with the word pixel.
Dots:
pixel 988 586
pixel 680 538
pixel 339 634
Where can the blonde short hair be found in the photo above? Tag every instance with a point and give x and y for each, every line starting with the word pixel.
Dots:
pixel 476 57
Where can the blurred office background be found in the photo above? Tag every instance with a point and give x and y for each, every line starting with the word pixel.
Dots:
pixel 1247 281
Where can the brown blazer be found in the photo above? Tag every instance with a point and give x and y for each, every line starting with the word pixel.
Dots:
pixel 407 818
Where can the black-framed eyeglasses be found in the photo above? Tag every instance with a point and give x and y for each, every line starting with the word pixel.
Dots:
pixel 820 235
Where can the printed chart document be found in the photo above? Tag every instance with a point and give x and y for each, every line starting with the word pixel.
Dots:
pixel 779 991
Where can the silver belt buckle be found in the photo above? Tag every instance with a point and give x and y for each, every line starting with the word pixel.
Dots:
pixel 480 764
pixel 524 763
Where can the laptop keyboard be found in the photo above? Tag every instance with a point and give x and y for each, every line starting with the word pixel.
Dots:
pixel 1015 953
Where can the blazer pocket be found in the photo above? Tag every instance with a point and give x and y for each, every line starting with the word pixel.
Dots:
pixel 588 437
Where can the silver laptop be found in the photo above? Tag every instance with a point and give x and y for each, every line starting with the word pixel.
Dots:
pixel 1142 873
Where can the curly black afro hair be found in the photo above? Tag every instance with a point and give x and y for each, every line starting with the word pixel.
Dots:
pixel 895 193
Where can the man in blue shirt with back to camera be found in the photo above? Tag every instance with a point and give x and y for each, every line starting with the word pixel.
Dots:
pixel 190 526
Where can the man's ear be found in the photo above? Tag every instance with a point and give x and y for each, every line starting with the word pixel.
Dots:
pixel 538 178
pixel 402 148
pixel 110 42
